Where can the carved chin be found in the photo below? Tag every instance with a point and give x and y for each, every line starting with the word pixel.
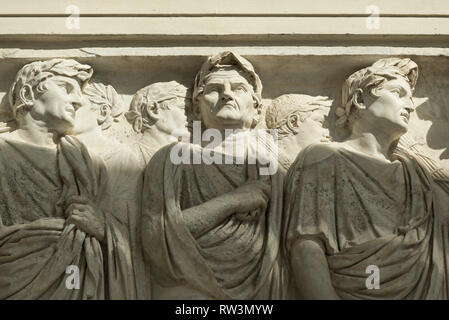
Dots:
pixel 70 123
pixel 228 114
pixel 404 126
pixel 66 125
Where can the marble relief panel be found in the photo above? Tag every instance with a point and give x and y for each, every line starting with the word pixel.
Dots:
pixel 226 182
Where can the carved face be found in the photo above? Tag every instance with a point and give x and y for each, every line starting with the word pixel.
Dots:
pixel 174 120
pixel 390 109
pixel 227 101
pixel 57 105
pixel 86 117
pixel 313 129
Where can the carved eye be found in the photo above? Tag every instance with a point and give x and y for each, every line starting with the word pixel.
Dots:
pixel 69 88
pixel 240 88
pixel 210 89
pixel 396 91
pixel 66 86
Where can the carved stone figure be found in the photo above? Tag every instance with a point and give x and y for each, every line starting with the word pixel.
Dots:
pixel 364 204
pixel 167 208
pixel 300 120
pixel 37 191
pixel 211 230
pixel 126 270
pixel 54 194
pixel 158 113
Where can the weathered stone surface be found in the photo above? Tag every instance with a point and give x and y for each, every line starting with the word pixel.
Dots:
pixel 78 140
pixel 367 202
pixel 224 151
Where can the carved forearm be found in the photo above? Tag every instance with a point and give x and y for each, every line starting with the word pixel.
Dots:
pixel 311 271
pixel 204 217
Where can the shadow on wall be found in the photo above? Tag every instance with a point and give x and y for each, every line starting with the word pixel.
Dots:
pixel 312 75
pixel 434 114
pixel 438 133
pixel 6 119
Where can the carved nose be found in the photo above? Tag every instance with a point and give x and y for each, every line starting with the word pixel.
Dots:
pixel 409 108
pixel 227 94
pixel 409 105
pixel 77 101
pixel 76 104
pixel 226 98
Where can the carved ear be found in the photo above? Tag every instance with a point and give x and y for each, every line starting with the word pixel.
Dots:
pixel 293 122
pixel 104 114
pixel 26 95
pixel 256 103
pixel 153 112
pixel 357 99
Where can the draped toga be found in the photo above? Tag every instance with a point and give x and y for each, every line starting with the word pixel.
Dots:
pixel 365 211
pixel 36 244
pixel 125 180
pixel 234 260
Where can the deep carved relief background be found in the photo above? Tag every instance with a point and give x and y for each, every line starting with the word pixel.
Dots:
pixel 224 178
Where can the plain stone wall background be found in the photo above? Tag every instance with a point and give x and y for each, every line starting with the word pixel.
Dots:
pixel 307 47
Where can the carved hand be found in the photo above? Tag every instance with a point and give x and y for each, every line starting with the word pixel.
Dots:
pixel 81 212
pixel 252 199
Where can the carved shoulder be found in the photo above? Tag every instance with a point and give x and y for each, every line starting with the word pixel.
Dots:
pixel 316 153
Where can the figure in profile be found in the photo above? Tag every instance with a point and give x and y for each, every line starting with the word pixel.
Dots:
pixel 158 114
pixel 101 109
pixel 363 202
pixel 53 195
pixel 300 120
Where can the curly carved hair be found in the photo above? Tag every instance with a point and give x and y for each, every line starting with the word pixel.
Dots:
pixel 159 95
pixel 381 71
pixel 277 113
pixel 107 100
pixel 35 73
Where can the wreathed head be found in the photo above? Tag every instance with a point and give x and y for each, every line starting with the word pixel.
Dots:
pixel 102 107
pixel 383 90
pixel 162 105
pixel 287 113
pixel 51 90
pixel 227 92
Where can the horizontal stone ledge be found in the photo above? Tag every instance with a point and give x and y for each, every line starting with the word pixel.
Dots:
pixel 70 41
pixel 88 52
pixel 230 7
pixel 221 26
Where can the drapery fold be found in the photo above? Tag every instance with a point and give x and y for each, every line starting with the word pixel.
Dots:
pixel 366 211
pixel 234 260
pixel 36 245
